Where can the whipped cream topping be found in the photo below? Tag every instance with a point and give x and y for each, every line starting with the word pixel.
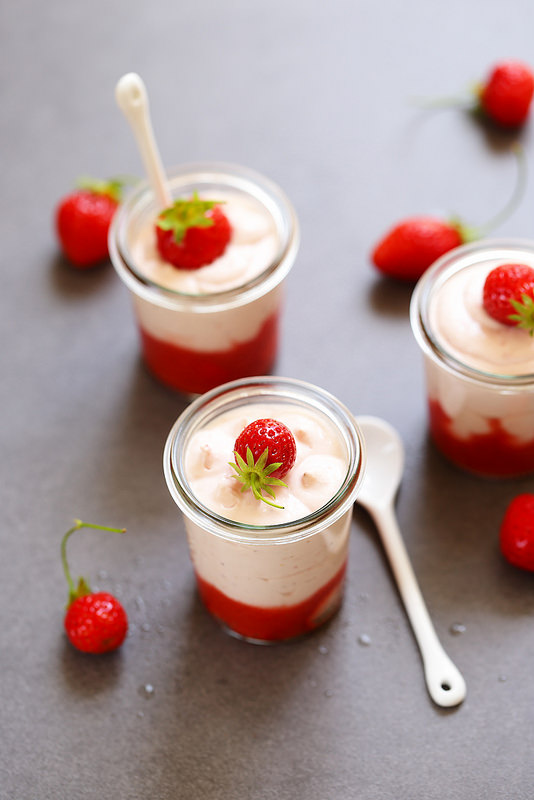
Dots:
pixel 253 246
pixel 466 331
pixel 319 470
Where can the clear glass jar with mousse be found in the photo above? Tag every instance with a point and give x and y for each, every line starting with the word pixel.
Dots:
pixel 268 583
pixel 481 419
pixel 194 341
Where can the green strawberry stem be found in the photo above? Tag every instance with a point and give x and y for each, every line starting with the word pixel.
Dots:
pixel 83 587
pixel 184 214
pixel 112 187
pixel 524 316
pixel 256 476
pixel 471 233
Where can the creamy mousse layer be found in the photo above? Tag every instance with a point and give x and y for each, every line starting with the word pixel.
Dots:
pixel 252 248
pixel 466 331
pixel 269 574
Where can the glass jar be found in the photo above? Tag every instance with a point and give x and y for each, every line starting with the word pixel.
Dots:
pixel 199 332
pixel 479 372
pixel 268 582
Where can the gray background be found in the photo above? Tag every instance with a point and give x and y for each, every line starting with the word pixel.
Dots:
pixel 316 96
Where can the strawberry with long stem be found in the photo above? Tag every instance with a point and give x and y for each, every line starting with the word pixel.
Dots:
pixel 95 622
pixel 413 244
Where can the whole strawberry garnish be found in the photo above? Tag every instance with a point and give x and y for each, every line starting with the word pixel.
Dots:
pixel 83 219
pixel 412 245
pixel 506 95
pixel 264 452
pixel 509 288
pixel 192 233
pixel 517 532
pixel 95 622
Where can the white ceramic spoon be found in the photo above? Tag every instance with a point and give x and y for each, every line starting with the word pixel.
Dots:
pixel 385 464
pixel 132 99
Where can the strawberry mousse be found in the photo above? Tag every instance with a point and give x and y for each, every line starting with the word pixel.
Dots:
pixel 272 570
pixel 479 371
pixel 205 326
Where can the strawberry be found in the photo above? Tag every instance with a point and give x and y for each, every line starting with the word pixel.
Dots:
pixel 517 532
pixel 412 245
pixel 95 622
pixel 264 452
pixel 509 288
pixel 83 218
pixel 506 95
pixel 192 233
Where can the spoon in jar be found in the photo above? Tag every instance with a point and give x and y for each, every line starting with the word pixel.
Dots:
pixel 385 463
pixel 132 99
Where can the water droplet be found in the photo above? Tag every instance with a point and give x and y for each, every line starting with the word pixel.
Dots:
pixel 140 603
pixel 167 584
pixel 323 650
pixel 502 678
pixel 102 574
pixel 145 627
pixel 118 590
pixel 457 629
pixel 363 596
pixel 147 690
pixel 329 693
pixel 364 640
pixel 140 713
pixel 160 629
pixel 313 683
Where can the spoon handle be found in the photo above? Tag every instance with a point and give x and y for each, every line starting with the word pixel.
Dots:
pixel 444 681
pixel 132 99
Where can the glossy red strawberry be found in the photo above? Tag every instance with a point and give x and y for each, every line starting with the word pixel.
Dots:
pixel 83 218
pixel 517 532
pixel 95 622
pixel 412 245
pixel 508 295
pixel 264 453
pixel 507 93
pixel 192 233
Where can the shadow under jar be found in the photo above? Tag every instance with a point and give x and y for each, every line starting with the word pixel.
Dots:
pixel 200 328
pixel 479 372
pixel 267 574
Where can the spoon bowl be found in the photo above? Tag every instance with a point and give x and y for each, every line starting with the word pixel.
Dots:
pixel 385 464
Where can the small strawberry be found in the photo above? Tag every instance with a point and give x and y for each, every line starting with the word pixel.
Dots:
pixel 192 233
pixel 412 245
pixel 94 622
pixel 83 219
pixel 506 95
pixel 264 452
pixel 517 532
pixel 509 288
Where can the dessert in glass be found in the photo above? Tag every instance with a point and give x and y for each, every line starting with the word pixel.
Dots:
pixel 479 370
pixel 267 571
pixel 200 327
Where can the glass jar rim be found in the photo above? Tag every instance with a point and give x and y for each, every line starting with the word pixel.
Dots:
pixel 229 176
pixel 230 395
pixel 436 275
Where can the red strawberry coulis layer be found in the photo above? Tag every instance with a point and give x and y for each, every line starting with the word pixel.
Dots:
pixel 197 371
pixel 276 623
pixel 495 454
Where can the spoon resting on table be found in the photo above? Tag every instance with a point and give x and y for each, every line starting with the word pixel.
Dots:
pixel 385 464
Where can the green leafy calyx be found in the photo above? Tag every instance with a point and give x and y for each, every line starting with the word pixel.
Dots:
pixel 184 214
pixel 257 475
pixel 524 316
pixel 112 187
